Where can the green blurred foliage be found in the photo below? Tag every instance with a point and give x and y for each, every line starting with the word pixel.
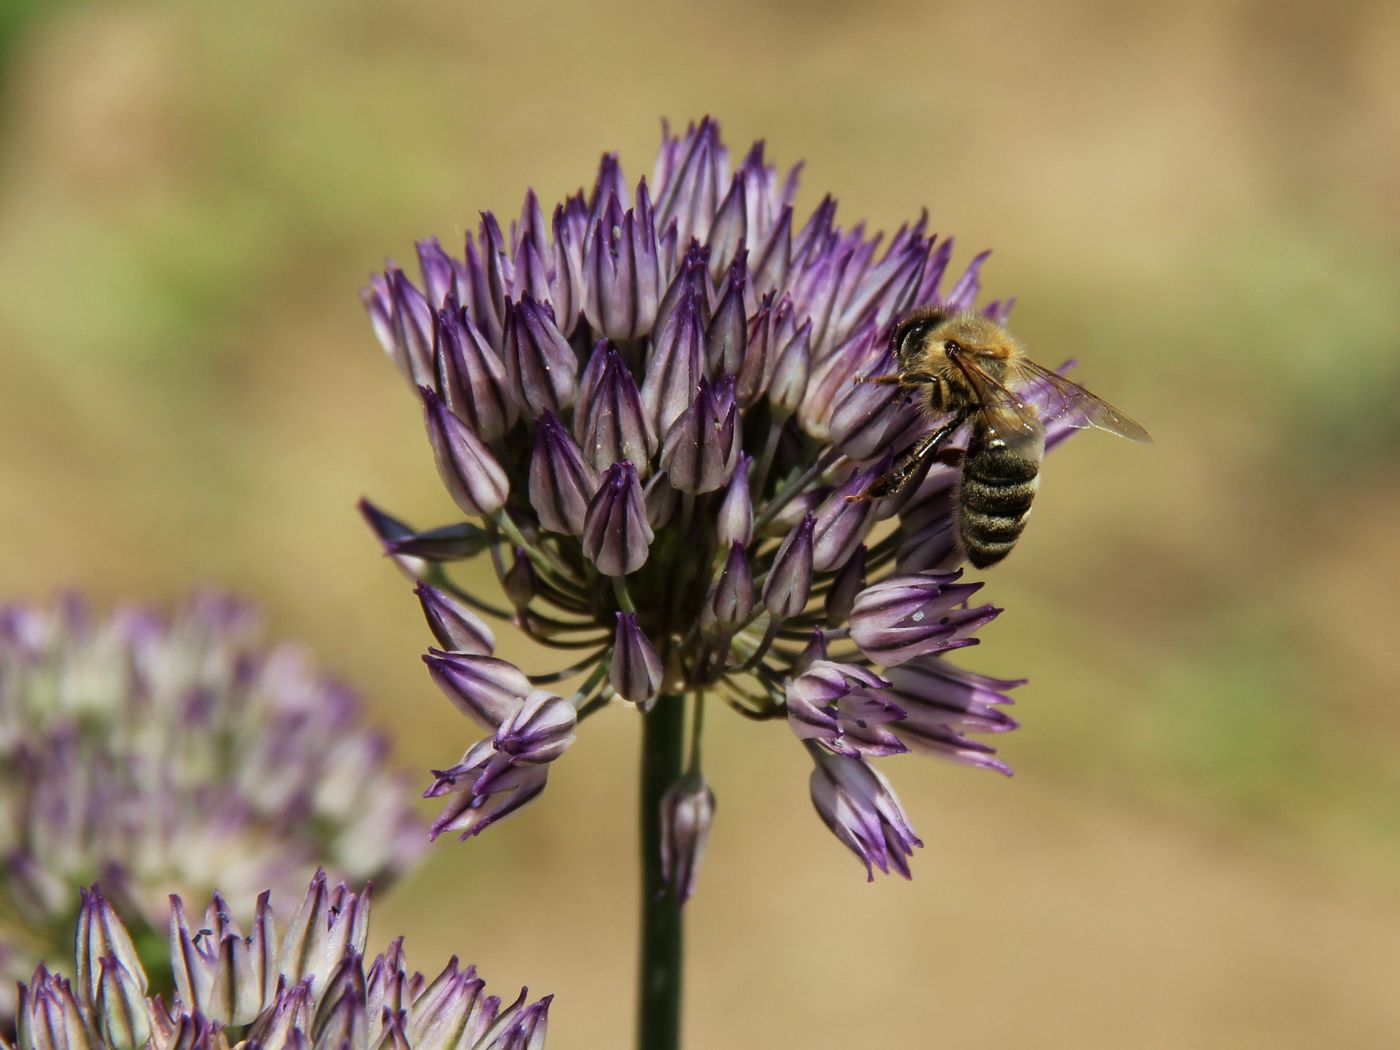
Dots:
pixel 1201 846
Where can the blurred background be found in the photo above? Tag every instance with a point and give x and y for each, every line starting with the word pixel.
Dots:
pixel 1201 846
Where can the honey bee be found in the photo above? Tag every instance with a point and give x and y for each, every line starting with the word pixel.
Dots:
pixel 966 368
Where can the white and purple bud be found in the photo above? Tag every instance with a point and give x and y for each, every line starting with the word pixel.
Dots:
pixel 622 269
pixel 487 689
pixel 390 530
pixel 676 366
pixel 727 337
pixel 474 479
pixel 541 367
pixel 857 803
pixel 610 420
pixel 732 600
pixel 687 814
pixel 843 521
pixel 792 368
pixel 635 673
pixel 902 617
pixel 734 522
pixel 456 628
pixel 616 536
pixel 702 447
pixel 849 582
pixel 471 377
pixel 789 582
pixel 561 480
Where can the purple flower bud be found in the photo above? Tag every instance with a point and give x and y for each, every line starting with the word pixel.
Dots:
pixel 838 706
pixel 732 600
pixel 866 415
pixel 519 580
pixel 412 321
pixel 389 531
pixel 792 367
pixel 484 787
pixel 790 580
pixel 471 377
pixel 539 730
pixel 472 476
pixel 616 536
pixel 689 182
pixel 902 617
pixel 730 228
pixel 690 282
pixel 610 419
pixel 446 543
pixel 457 628
pixel 485 688
pixel 102 936
pixel 734 523
pixel 831 377
pixel 702 447
pixel 842 522
pixel 757 366
pixel 662 500
pixel 727 337
pixel 622 269
pixel 849 582
pixel 561 480
pixel 636 668
pixel 687 814
pixel 439 278
pixel 773 258
pixel 857 803
pixel 121 1012
pixel 541 367
pixel 676 366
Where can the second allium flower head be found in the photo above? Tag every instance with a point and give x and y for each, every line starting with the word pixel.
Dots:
pixel 646 404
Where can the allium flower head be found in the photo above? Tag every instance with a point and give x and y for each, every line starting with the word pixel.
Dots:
pixel 645 402
pixel 160 754
pixel 306 985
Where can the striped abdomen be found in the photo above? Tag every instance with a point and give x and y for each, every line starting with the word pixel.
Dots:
pixel 994 495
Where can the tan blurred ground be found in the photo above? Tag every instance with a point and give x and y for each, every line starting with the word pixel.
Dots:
pixel 1202 845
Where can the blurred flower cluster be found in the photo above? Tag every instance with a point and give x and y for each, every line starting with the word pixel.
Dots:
pixel 644 404
pixel 309 987
pixel 174 754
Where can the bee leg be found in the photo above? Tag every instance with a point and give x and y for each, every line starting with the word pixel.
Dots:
pixel 900 379
pixel 894 480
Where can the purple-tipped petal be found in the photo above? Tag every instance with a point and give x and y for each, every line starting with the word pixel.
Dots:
pixel 616 536
pixel 843 522
pixel 676 367
pixel 727 337
pixel 902 617
pixel 636 667
pixel 482 789
pixel 473 477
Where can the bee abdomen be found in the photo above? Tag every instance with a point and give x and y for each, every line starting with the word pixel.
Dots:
pixel 994 500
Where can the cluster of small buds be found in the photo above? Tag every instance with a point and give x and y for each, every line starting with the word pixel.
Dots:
pixel 646 404
pixel 308 989
pixel 159 754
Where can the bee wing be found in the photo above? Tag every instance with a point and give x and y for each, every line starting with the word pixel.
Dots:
pixel 1013 418
pixel 1067 402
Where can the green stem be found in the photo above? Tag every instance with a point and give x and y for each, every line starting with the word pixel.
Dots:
pixel 659 984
